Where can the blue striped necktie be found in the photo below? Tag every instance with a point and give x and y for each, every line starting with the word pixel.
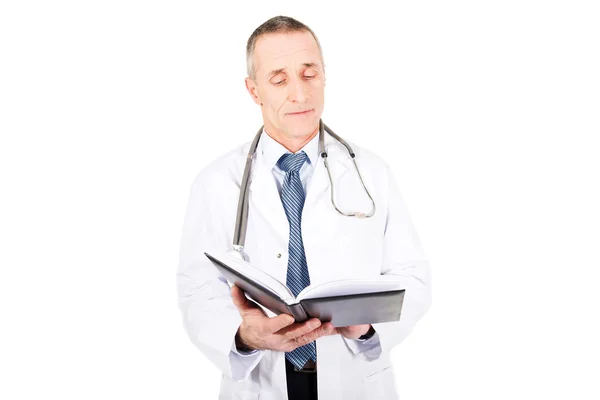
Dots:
pixel 292 197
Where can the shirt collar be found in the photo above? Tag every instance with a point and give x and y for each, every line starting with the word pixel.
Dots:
pixel 272 150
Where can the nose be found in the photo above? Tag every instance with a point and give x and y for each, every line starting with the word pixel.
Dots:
pixel 298 91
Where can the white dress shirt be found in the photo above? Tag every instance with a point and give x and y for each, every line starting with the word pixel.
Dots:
pixel 272 151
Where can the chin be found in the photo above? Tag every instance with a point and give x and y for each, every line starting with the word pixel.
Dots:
pixel 303 129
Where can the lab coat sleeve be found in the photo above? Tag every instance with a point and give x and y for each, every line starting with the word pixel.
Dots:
pixel 210 318
pixel 405 260
pixel 242 363
pixel 370 347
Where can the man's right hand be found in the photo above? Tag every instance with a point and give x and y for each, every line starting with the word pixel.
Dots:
pixel 259 332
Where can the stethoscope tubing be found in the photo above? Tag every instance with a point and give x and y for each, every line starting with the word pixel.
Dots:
pixel 241 222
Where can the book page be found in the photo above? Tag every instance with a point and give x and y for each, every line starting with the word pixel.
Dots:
pixel 350 286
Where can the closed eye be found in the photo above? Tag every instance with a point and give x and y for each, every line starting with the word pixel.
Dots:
pixel 279 83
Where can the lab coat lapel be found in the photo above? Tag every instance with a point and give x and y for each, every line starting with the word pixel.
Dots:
pixel 265 199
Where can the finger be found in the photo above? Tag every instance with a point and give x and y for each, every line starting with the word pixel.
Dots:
pixel 358 328
pixel 329 328
pixel 352 331
pixel 279 322
pixel 300 329
pixel 240 301
pixel 239 298
pixel 334 331
pixel 324 330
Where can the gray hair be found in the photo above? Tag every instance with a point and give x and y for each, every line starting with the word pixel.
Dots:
pixel 279 24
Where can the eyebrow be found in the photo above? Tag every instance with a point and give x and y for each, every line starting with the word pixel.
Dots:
pixel 280 70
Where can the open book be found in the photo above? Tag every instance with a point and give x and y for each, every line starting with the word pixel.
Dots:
pixel 342 302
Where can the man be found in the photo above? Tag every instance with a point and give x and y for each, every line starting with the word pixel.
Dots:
pixel 295 234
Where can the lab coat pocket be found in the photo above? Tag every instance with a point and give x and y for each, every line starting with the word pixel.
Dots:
pixel 380 385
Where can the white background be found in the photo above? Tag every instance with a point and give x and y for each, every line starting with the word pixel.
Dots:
pixel 488 112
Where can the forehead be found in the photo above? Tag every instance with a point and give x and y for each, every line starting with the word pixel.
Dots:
pixel 286 50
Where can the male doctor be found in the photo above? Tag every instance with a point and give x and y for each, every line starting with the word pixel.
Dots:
pixel 295 233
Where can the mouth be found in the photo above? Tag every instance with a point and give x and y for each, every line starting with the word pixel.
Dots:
pixel 301 113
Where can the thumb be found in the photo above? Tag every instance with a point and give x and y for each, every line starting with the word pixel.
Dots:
pixel 239 298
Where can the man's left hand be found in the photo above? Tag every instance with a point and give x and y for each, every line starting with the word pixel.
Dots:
pixel 351 332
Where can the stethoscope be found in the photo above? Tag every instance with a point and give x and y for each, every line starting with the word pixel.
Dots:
pixel 241 222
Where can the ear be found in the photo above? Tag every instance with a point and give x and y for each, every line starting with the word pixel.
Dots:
pixel 253 90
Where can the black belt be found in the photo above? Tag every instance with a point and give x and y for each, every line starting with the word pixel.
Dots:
pixel 310 367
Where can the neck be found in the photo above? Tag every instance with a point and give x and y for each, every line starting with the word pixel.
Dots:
pixel 292 143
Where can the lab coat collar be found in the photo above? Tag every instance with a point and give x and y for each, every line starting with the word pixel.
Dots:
pixel 272 150
pixel 265 196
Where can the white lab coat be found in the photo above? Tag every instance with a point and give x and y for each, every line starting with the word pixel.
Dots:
pixel 336 247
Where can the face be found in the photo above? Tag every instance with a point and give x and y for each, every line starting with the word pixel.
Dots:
pixel 289 83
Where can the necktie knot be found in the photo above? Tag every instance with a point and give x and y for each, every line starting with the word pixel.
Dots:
pixel 292 162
